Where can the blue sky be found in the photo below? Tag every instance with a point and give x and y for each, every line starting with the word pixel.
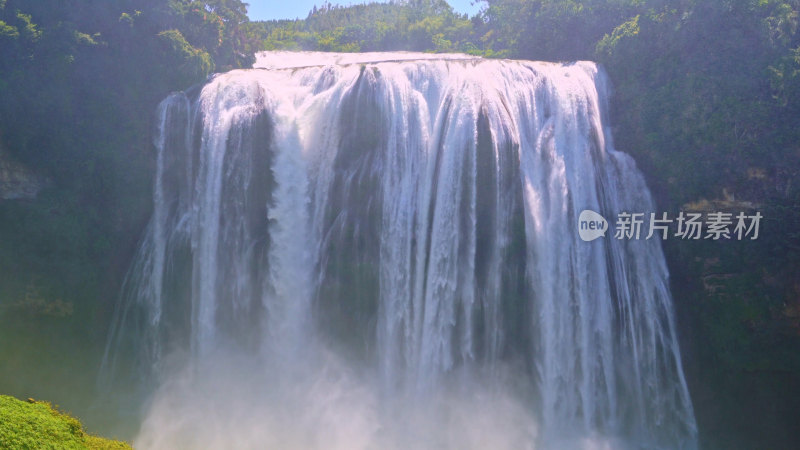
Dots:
pixel 292 9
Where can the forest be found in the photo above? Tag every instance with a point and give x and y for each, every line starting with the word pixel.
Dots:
pixel 706 98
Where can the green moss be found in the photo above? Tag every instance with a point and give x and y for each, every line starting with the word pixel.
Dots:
pixel 38 425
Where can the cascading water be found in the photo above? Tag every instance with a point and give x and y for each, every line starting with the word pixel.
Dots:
pixel 381 250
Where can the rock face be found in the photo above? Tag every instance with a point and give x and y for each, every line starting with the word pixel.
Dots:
pixel 18 181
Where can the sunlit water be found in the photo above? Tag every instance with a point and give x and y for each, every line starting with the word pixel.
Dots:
pixel 381 251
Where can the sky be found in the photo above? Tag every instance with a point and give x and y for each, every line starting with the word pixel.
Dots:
pixel 294 9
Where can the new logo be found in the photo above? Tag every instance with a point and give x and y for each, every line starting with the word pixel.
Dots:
pixel 591 225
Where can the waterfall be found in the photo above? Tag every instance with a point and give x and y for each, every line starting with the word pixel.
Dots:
pixel 397 233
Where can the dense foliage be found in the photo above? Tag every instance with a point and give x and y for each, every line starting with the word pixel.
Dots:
pixel 79 84
pixel 417 25
pixel 37 425
pixel 706 97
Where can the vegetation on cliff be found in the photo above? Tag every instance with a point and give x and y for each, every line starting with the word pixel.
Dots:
pixel 79 84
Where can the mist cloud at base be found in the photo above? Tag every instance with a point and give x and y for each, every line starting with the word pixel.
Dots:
pixel 232 400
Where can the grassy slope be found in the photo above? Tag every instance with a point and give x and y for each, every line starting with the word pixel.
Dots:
pixel 38 425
